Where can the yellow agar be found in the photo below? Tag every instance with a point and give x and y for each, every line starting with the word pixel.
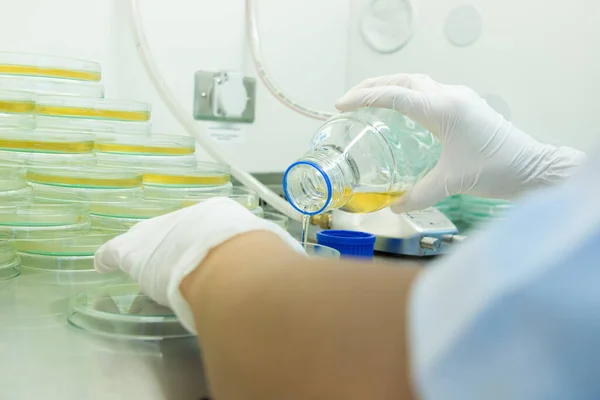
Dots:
pixel 62 147
pixel 92 113
pixel 130 148
pixel 48 72
pixel 186 180
pixel 83 180
pixel 17 106
pixel 363 202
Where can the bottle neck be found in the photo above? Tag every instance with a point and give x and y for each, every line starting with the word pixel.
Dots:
pixel 320 181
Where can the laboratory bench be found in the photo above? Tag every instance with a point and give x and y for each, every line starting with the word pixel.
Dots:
pixel 43 357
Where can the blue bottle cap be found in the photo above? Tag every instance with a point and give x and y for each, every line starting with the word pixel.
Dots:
pixel 351 244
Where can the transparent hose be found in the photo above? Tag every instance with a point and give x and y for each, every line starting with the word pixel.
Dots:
pixel 194 128
pixel 263 73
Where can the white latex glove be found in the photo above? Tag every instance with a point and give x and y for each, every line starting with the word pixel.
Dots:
pixel 482 153
pixel 160 252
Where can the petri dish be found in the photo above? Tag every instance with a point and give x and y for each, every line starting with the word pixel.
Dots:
pixel 278 219
pixel 123 312
pixel 258 211
pixel 80 107
pixel 16 102
pixel 137 161
pixel 165 145
pixel 64 270
pixel 245 197
pixel 17 121
pixel 120 217
pixel 188 195
pixel 46 142
pixel 35 220
pixel 48 160
pixel 64 260
pixel 206 174
pixel 42 85
pixel 10 264
pixel 93 126
pixel 86 195
pixel 27 64
pixel 82 245
pixel 14 192
pixel 320 251
pixel 95 177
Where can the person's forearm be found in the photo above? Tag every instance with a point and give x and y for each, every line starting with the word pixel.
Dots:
pixel 273 324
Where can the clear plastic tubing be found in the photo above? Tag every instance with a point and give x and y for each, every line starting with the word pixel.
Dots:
pixel 192 126
pixel 361 162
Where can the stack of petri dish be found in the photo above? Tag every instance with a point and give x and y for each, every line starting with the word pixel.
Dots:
pixel 478 211
pixel 17 110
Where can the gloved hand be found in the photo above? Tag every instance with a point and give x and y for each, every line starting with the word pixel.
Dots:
pixel 482 153
pixel 160 252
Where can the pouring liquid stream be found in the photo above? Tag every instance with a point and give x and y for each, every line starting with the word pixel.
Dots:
pixel 305 225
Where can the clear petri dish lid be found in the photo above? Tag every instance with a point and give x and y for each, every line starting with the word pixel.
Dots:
pixel 123 312
pixel 94 126
pixel 65 270
pixel 166 145
pixel 278 219
pixel 72 194
pixel 17 121
pixel 29 64
pixel 246 197
pixel 141 209
pixel 14 192
pixel 140 162
pixel 52 86
pixel 205 174
pixel 188 195
pixel 46 142
pixel 95 177
pixel 43 214
pixel 80 107
pixel 83 245
pixel 48 160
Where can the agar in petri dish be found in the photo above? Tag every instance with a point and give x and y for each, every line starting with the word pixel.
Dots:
pixel 46 142
pixel 123 312
pixel 206 174
pixel 79 107
pixel 166 145
pixel 48 66
pixel 96 177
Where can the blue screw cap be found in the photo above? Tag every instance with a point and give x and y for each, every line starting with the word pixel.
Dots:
pixel 351 244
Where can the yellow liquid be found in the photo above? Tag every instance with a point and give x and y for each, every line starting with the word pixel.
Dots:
pixel 93 113
pixel 364 202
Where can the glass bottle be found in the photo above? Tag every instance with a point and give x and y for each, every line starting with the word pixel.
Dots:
pixel 360 162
